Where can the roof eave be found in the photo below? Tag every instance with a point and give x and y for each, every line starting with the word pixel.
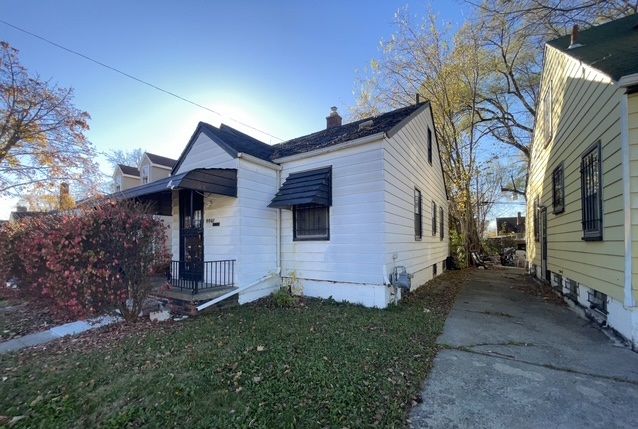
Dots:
pixel 628 80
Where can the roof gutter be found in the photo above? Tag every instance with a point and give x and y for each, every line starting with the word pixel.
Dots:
pixel 629 80
pixel 328 149
pixel 258 161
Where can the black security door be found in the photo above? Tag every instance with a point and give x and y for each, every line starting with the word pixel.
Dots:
pixel 191 235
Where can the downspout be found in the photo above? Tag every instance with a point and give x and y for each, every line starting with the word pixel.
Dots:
pixel 626 176
pixel 279 228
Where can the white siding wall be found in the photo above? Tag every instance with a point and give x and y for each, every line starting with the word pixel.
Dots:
pixel 204 153
pixel 406 166
pixel 220 242
pixel 256 186
pixel 353 256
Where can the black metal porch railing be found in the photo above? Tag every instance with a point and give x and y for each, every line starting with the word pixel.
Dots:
pixel 198 276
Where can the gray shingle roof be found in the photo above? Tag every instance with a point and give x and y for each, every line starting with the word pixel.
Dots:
pixel 234 141
pixel 344 133
pixel 161 160
pixel 611 48
pixel 127 169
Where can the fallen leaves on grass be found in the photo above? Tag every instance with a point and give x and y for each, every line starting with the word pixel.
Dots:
pixel 317 364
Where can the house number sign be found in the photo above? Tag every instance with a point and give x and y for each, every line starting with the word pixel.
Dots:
pixel 212 221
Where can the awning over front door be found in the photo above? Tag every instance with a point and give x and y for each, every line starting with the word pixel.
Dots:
pixel 305 187
pixel 221 181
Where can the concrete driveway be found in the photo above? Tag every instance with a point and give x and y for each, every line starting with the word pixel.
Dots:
pixel 514 360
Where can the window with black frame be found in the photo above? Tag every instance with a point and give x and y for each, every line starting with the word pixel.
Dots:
pixel 558 189
pixel 311 222
pixel 433 218
pixel 429 145
pixel 418 215
pixel 591 193
pixel 441 221
pixel 535 219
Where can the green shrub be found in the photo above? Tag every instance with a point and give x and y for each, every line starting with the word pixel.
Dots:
pixel 283 298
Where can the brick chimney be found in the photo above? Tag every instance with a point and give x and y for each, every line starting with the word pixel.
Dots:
pixel 333 119
pixel 575 36
pixel 64 195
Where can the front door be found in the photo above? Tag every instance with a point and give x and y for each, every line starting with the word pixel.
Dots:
pixel 543 233
pixel 191 235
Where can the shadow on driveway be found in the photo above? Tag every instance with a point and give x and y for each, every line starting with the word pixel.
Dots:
pixel 511 359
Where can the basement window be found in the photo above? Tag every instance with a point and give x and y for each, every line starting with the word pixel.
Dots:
pixel 572 290
pixel 557 282
pixel 591 193
pixel 597 301
pixel 434 268
pixel 311 222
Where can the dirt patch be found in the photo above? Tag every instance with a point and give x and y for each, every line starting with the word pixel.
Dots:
pixel 19 317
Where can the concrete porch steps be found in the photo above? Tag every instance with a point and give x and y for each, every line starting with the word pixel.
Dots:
pixel 184 302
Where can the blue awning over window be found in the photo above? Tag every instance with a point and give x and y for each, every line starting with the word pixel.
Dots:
pixel 305 187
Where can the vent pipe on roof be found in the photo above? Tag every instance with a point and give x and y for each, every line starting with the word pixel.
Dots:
pixel 333 119
pixel 575 34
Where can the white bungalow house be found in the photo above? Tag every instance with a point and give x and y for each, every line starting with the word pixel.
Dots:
pixel 583 178
pixel 335 213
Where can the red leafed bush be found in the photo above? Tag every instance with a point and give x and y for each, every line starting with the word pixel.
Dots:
pixel 90 261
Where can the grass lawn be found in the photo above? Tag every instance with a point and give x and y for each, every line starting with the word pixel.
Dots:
pixel 318 364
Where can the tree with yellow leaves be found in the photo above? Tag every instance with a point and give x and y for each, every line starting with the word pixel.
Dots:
pixel 42 135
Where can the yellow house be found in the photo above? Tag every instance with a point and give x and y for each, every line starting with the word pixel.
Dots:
pixel 582 194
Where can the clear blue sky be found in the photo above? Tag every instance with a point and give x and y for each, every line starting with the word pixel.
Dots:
pixel 278 66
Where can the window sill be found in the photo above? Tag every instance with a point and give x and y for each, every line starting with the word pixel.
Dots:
pixel 592 238
pixel 559 211
pixel 311 239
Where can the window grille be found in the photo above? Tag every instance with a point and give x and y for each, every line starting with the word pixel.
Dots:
pixel 418 215
pixel 311 222
pixel 591 194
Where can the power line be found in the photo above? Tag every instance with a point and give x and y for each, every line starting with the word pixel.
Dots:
pixel 137 79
